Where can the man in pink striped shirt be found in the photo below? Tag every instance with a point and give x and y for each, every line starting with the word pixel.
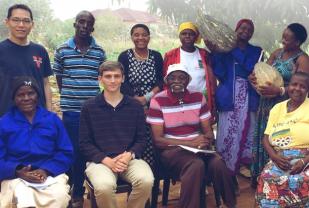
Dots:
pixel 180 117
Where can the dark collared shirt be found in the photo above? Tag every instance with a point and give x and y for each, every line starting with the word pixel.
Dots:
pixel 108 131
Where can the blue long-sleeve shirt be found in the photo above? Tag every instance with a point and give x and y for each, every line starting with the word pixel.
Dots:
pixel 43 144
pixel 224 68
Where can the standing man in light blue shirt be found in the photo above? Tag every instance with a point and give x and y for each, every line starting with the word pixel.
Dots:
pixel 76 65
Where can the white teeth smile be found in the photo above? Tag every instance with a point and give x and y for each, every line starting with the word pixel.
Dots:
pixel 177 86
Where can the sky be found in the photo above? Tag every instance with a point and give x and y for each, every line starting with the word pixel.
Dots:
pixel 65 9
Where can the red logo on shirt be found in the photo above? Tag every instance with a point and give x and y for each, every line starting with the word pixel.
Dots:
pixel 37 60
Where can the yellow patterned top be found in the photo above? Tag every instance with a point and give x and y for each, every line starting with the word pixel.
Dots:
pixel 288 130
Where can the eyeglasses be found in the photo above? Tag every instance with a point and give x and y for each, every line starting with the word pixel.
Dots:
pixel 17 21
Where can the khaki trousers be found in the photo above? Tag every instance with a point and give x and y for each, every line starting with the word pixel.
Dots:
pixel 104 182
pixel 14 193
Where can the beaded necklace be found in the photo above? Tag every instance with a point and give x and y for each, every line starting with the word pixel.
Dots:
pixel 140 57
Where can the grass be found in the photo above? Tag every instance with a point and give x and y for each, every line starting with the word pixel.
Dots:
pixel 113 49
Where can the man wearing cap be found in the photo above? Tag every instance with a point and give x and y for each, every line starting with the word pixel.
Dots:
pixel 19 57
pixel 196 61
pixel 35 152
pixel 181 117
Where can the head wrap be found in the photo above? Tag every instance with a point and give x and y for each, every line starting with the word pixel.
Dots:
pixel 24 81
pixel 191 26
pixel 176 67
pixel 240 22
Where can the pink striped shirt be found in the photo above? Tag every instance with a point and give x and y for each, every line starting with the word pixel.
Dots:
pixel 180 118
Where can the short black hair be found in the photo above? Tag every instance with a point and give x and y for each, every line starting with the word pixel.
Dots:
pixel 304 75
pixel 85 12
pixel 145 27
pixel 19 6
pixel 299 31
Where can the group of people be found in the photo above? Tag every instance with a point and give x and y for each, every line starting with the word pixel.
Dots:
pixel 250 131
pixel 149 104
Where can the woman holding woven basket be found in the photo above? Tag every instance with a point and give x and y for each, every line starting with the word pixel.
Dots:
pixel 236 100
pixel 285 178
pixel 287 60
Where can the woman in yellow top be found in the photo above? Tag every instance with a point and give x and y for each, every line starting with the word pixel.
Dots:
pixel 284 181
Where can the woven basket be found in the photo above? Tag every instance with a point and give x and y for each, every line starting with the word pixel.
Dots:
pixel 216 32
pixel 265 73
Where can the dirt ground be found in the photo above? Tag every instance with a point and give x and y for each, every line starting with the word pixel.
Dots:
pixel 245 200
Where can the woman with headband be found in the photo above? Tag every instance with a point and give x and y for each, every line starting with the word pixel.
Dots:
pixel 236 100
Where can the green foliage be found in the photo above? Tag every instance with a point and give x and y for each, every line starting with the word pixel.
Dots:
pixel 47 31
pixel 110 31
pixel 114 35
pixel 42 15
pixel 57 33
pixel 270 16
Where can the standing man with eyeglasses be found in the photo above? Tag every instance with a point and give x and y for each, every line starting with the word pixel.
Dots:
pixel 76 66
pixel 20 57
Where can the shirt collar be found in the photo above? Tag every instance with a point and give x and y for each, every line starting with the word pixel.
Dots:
pixel 100 100
pixel 174 100
pixel 18 115
pixel 246 50
pixel 72 44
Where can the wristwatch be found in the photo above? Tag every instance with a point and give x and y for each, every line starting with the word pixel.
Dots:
pixel 132 155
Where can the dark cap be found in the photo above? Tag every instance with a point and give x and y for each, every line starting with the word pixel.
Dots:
pixel 24 81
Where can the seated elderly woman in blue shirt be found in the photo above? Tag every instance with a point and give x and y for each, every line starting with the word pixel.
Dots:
pixel 35 152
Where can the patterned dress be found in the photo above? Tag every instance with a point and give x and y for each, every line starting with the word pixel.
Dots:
pixel 140 78
pixel 277 188
pixel 235 129
pixel 260 157
pixel 237 103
